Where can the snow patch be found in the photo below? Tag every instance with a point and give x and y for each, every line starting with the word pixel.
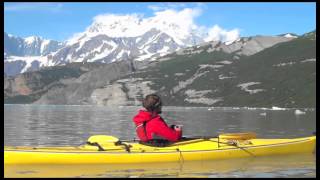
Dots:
pixel 143 57
pixel 191 93
pixel 202 100
pixel 210 66
pixel 299 112
pixel 179 74
pixel 102 54
pixel 184 84
pixel 28 60
pixel 244 86
pixel 151 39
pixel 228 42
pixel 44 44
pixel 168 40
pixel 225 62
pixel 284 64
pixel 120 54
pixel 277 108
pixel 138 39
pixel 225 77
pixel 30 40
pixel 82 42
pixel 289 36
pixel 309 60
pixel 165 49
pixel 129 80
pixel 280 64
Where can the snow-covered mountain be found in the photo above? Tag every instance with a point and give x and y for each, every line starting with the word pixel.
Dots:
pixel 116 38
pixel 30 46
pixel 289 35
pixel 103 48
pixel 107 39
pixel 27 54
pixel 135 26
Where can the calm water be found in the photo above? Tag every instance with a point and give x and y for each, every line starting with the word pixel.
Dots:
pixel 41 125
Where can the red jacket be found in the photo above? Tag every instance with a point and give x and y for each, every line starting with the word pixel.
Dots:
pixel 154 125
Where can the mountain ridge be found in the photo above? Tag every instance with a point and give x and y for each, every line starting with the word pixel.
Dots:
pixel 102 48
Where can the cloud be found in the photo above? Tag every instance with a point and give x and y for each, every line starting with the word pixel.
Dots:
pixel 216 33
pixel 156 8
pixel 105 18
pixel 136 24
pixel 165 6
pixel 177 23
pixel 186 19
pixel 36 6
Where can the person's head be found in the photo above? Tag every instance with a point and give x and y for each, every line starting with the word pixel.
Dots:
pixel 152 103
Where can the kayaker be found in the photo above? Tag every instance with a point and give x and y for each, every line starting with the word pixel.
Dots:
pixel 150 125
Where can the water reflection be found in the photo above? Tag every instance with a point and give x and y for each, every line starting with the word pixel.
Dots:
pixel 302 165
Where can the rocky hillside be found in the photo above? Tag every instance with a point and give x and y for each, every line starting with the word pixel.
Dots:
pixel 254 71
pixel 69 84
pixel 283 75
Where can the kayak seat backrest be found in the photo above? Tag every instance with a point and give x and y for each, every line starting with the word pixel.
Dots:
pixel 156 143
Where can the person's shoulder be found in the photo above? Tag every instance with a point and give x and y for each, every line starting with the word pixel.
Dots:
pixel 139 113
pixel 159 118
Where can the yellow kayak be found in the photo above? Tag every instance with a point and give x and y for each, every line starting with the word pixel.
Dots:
pixel 114 151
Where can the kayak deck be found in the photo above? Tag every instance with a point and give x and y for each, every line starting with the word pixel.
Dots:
pixel 197 149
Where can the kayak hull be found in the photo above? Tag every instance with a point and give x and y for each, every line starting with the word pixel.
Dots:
pixel 193 150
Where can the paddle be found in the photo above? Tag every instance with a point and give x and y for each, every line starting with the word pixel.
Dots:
pixel 228 136
pixel 99 140
pixel 102 139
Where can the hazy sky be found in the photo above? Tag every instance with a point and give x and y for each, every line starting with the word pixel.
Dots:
pixel 60 21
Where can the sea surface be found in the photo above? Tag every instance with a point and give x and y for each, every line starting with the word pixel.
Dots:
pixel 61 125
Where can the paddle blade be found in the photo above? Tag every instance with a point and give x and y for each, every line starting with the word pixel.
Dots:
pixel 238 136
pixel 102 139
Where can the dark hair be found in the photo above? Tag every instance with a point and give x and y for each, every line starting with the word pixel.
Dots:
pixel 152 102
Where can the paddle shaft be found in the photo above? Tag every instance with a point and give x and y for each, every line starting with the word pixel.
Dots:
pixel 206 138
